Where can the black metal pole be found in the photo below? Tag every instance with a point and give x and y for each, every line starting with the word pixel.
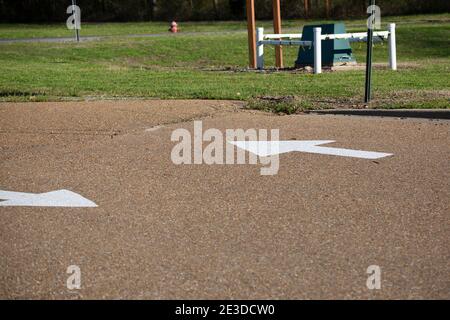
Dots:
pixel 77 32
pixel 368 90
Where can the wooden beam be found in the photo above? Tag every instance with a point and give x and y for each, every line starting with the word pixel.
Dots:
pixel 277 29
pixel 251 29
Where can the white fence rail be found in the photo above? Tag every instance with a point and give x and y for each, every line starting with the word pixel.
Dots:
pixel 278 40
pixel 282 36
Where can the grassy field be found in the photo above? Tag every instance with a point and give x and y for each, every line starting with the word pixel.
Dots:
pixel 21 31
pixel 212 65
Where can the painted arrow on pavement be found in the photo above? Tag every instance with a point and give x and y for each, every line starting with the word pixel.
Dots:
pixel 59 198
pixel 269 148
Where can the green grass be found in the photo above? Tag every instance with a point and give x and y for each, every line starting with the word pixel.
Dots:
pixel 212 66
pixel 59 30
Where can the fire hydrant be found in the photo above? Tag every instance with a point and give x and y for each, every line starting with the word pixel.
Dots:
pixel 173 27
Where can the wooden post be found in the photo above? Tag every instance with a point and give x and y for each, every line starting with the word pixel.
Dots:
pixel 251 26
pixel 306 8
pixel 277 29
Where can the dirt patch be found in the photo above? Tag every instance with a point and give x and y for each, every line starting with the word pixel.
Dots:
pixel 394 100
pixel 308 69
pixel 279 105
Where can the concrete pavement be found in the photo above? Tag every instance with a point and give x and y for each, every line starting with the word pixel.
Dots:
pixel 163 231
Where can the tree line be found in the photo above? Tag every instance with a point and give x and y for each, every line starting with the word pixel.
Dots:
pixel 42 11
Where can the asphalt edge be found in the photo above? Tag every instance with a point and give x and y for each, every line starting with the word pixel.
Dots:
pixel 438 114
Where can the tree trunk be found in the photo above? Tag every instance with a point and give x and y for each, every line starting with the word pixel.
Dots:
pixel 328 8
pixel 216 12
pixel 151 9
pixel 306 7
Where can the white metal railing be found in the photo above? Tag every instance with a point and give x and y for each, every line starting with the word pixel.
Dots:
pixel 358 36
pixel 277 39
pixel 285 35
pixel 288 42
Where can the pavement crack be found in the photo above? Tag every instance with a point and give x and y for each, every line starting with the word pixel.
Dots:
pixel 64 132
pixel 202 116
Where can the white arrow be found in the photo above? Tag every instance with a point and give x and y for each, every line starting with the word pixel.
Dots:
pixel 268 148
pixel 60 198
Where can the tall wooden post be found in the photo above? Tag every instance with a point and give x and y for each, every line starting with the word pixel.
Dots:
pixel 251 26
pixel 306 8
pixel 277 29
